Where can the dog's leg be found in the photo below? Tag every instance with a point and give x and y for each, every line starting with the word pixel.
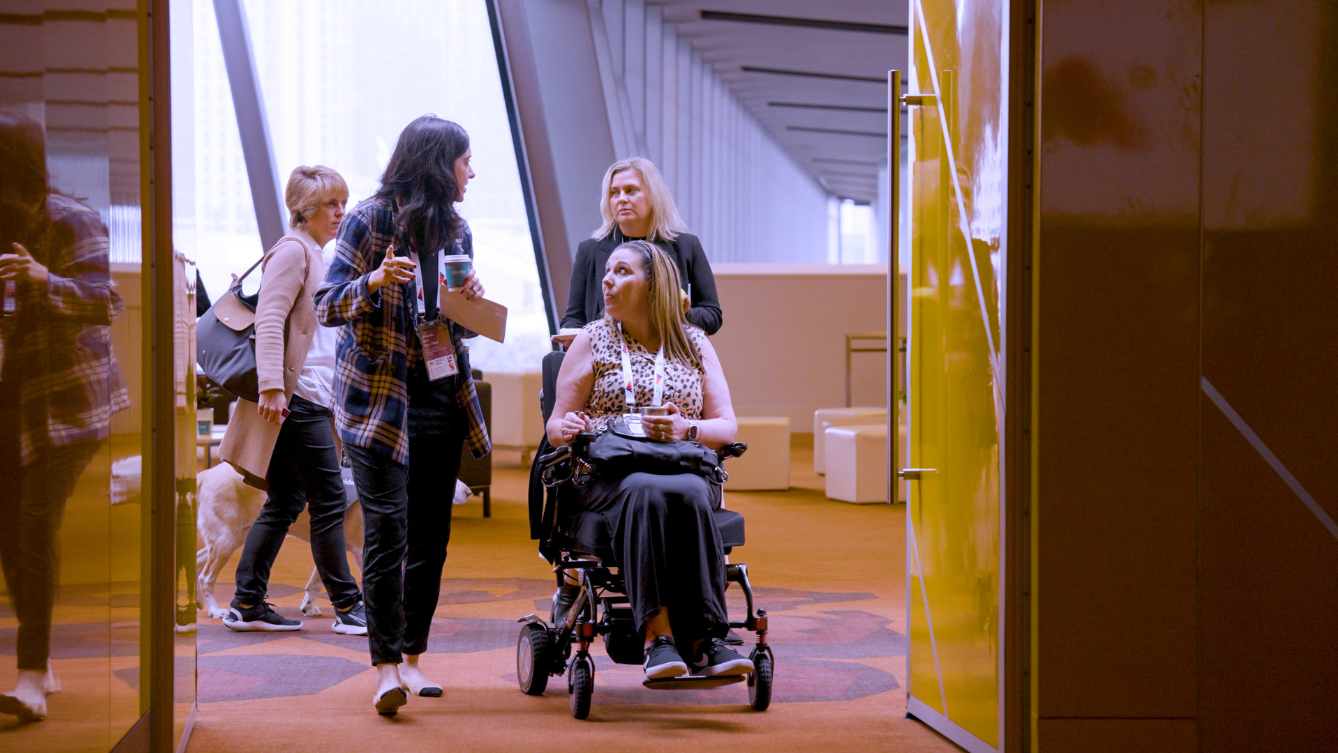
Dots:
pixel 309 607
pixel 204 585
pixel 353 534
pixel 208 577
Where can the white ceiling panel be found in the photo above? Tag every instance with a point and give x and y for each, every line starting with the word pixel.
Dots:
pixel 794 64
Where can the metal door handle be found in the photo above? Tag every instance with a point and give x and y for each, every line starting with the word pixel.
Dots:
pixel 913 474
pixel 894 101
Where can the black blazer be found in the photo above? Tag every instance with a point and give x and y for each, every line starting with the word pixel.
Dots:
pixel 585 300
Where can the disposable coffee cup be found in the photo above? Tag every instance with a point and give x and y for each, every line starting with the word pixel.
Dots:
pixel 456 267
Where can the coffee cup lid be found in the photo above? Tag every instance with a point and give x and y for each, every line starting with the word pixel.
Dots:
pixel 455 258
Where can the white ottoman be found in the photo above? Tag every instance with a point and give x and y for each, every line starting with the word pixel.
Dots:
pixel 766 464
pixel 857 463
pixel 517 422
pixel 824 417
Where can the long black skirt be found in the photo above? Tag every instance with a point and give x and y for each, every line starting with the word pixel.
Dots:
pixel 668 549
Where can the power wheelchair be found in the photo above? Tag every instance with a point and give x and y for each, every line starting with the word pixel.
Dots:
pixel 581 544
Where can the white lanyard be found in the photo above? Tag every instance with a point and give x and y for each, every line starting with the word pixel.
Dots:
pixel 629 393
pixel 418 277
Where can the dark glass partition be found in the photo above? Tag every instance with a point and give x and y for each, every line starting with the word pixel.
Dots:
pixel 72 508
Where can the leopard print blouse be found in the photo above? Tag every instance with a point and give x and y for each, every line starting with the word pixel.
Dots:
pixel 682 381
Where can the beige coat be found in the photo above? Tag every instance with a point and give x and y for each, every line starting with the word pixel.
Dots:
pixel 285 324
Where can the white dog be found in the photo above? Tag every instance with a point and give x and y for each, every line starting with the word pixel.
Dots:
pixel 227 509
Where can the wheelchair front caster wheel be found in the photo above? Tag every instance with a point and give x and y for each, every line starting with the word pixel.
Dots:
pixel 759 682
pixel 581 686
pixel 532 659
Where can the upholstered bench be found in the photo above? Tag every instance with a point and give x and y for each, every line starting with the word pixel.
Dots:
pixel 766 464
pixel 824 417
pixel 857 462
pixel 517 422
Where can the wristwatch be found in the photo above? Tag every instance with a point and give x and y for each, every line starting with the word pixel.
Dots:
pixel 692 431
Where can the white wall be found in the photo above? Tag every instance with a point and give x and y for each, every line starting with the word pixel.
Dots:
pixel 736 188
pixel 782 345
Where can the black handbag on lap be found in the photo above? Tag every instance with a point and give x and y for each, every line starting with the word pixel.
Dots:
pixel 225 341
pixel 619 451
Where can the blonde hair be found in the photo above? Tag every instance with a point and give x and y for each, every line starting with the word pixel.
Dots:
pixel 666 305
pixel 308 189
pixel 665 223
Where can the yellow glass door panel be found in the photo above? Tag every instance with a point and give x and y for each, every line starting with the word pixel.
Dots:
pixel 957 159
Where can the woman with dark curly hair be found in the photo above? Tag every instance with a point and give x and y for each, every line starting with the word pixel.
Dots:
pixel 404 399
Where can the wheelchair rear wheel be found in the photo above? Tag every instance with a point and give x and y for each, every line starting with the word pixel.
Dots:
pixel 532 659
pixel 759 682
pixel 581 686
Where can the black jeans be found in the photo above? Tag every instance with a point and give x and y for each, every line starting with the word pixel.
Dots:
pixel 32 503
pixel 303 471
pixel 406 513
pixel 668 548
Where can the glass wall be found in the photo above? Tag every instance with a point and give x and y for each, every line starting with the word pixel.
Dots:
pixel 72 516
pixel 340 79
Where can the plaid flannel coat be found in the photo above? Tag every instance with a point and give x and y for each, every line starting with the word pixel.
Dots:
pixel 380 342
pixel 58 346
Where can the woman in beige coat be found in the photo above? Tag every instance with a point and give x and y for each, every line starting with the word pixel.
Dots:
pixel 285 443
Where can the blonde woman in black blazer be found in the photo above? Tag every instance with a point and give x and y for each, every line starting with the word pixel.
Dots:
pixel 636 204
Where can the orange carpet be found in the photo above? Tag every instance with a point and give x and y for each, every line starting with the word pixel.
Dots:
pixel 831 575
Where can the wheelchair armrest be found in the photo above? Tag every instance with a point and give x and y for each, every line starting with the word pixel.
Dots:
pixel 732 450
pixel 553 457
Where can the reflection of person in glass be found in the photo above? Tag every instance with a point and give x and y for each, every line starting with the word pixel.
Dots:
pixel 59 385
pixel 402 416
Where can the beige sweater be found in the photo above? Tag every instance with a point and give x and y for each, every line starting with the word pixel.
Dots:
pixel 285 324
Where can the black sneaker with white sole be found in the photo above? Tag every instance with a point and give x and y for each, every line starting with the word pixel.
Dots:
pixel 716 659
pixel 259 618
pixel 352 622
pixel 663 660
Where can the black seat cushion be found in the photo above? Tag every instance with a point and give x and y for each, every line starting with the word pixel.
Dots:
pixel 730 525
pixel 589 532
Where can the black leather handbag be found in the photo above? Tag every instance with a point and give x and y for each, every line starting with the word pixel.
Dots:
pixel 225 341
pixel 618 451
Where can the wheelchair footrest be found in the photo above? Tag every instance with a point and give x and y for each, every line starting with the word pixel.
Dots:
pixel 688 682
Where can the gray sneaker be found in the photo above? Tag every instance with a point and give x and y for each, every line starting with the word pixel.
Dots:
pixel 352 622
pixel 260 618
pixel 719 660
pixel 663 660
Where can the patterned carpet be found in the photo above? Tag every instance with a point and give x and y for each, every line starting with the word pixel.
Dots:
pixel 816 644
pixel 831 575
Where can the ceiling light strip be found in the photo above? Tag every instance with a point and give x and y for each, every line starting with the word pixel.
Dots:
pixel 836 131
pixel 812 106
pixel 813 74
pixel 804 23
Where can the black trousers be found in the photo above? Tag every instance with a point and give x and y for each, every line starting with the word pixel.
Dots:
pixel 668 549
pixel 406 512
pixel 303 472
pixel 32 504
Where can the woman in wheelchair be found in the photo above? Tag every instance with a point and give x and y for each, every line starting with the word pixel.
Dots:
pixel 642 352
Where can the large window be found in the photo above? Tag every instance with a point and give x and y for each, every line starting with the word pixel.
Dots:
pixel 340 79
